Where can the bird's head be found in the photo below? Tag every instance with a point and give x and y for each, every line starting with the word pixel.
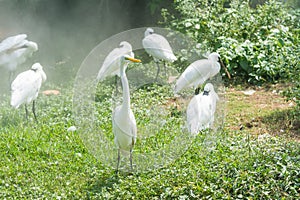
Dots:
pixel 208 87
pixel 216 57
pixel 37 67
pixel 149 31
pixel 31 45
pixel 125 59
pixel 126 46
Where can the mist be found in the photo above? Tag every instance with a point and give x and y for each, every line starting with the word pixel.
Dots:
pixel 67 30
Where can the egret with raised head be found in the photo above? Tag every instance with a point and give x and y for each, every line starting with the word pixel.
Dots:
pixel 123 120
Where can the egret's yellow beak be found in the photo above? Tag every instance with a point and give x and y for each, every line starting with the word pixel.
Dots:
pixel 133 59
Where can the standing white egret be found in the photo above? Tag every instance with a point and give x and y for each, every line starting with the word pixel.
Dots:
pixel 123 120
pixel 111 64
pixel 201 110
pixel 158 47
pixel 25 88
pixel 14 51
pixel 199 71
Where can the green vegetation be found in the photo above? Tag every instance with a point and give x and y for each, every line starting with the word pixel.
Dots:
pixel 45 161
pixel 255 156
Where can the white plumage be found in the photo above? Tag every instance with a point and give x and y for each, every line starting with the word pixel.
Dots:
pixel 26 86
pixel 158 47
pixel 201 110
pixel 111 64
pixel 198 72
pixel 14 51
pixel 123 120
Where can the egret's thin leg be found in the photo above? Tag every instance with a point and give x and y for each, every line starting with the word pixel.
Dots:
pixel 11 78
pixel 26 112
pixel 158 70
pixel 165 67
pixel 118 161
pixel 130 158
pixel 116 84
pixel 33 110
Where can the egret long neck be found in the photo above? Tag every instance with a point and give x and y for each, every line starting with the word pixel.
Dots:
pixel 125 86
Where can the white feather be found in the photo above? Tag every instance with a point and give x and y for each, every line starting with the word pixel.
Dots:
pixel 201 110
pixel 111 64
pixel 26 86
pixel 158 46
pixel 16 50
pixel 198 72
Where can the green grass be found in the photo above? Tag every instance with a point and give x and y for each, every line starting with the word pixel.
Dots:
pixel 44 161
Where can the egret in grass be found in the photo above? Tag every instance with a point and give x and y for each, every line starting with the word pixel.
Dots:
pixel 201 110
pixel 111 64
pixel 158 47
pixel 25 88
pixel 200 71
pixel 14 51
pixel 123 120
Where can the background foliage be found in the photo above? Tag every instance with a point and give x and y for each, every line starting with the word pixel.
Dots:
pixel 258 44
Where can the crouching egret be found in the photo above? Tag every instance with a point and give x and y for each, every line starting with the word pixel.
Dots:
pixel 25 88
pixel 123 120
pixel 158 47
pixel 199 71
pixel 111 64
pixel 201 110
pixel 14 51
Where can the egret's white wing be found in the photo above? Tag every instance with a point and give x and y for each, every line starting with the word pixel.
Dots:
pixel 158 47
pixel 195 74
pixel 12 42
pixel 25 88
pixel 111 64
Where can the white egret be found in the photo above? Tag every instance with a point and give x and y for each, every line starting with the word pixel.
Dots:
pixel 199 71
pixel 25 88
pixel 123 120
pixel 158 47
pixel 111 64
pixel 14 51
pixel 201 110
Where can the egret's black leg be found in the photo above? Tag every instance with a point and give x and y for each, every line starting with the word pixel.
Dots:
pixel 33 110
pixel 116 84
pixel 158 70
pixel 165 69
pixel 26 112
pixel 130 158
pixel 118 161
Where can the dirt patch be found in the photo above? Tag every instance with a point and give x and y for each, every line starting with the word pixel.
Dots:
pixel 262 110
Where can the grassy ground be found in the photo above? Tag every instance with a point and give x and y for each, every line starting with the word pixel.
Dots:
pixel 256 157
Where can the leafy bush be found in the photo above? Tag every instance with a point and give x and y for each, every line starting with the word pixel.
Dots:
pixel 257 45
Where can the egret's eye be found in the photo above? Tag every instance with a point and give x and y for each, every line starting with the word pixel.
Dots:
pixel 121 45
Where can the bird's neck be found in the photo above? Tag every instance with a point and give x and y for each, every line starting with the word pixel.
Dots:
pixel 125 86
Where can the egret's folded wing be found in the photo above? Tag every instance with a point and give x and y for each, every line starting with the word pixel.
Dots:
pixel 194 75
pixel 12 42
